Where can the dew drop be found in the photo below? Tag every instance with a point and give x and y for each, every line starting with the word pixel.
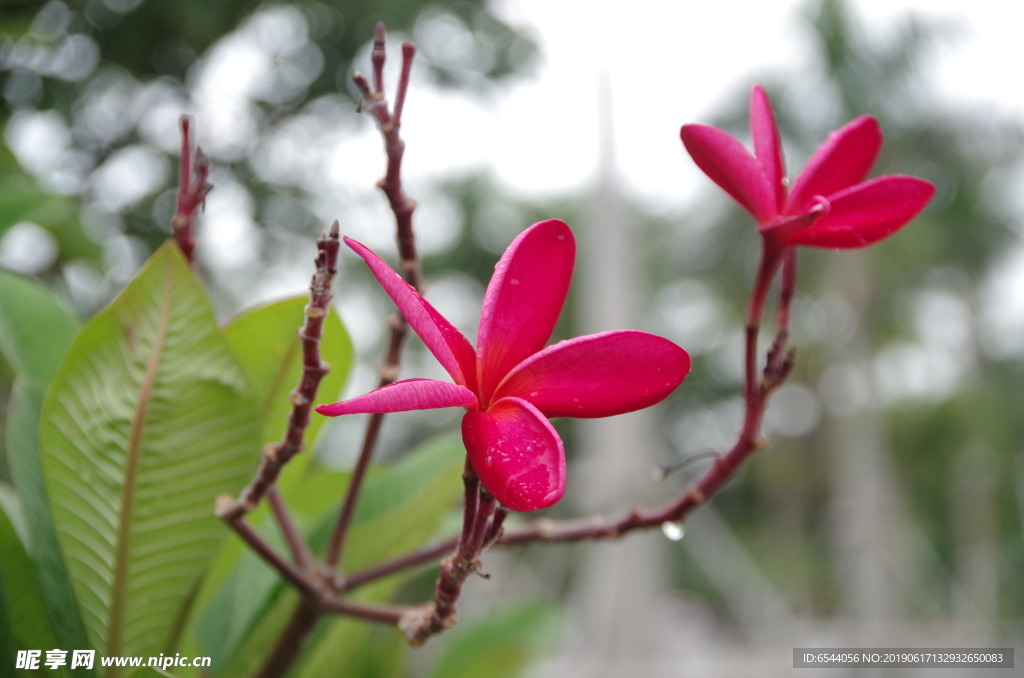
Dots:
pixel 513 281
pixel 674 531
pixel 561 237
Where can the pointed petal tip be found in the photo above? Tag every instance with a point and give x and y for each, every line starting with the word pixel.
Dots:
pixel 599 375
pixel 730 165
pixel 523 300
pixel 404 396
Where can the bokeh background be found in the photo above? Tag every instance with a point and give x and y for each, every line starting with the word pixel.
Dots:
pixel 888 508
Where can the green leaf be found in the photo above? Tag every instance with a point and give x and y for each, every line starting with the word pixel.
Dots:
pixel 36 331
pixel 242 598
pixel 11 505
pixel 500 646
pixel 7 656
pixel 19 590
pixel 260 637
pixel 266 341
pixel 148 419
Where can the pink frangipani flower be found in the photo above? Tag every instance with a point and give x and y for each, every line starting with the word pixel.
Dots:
pixel 511 383
pixel 830 204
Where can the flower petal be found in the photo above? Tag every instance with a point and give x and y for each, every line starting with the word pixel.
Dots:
pixel 843 160
pixel 449 346
pixel 767 145
pixel 866 213
pixel 516 453
pixel 403 396
pixel 598 375
pixel 523 300
pixel 731 166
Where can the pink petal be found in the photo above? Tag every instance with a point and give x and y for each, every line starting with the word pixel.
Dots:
pixel 866 213
pixel 516 453
pixel 731 166
pixel 598 375
pixel 448 345
pixel 523 300
pixel 403 396
pixel 843 160
pixel 767 145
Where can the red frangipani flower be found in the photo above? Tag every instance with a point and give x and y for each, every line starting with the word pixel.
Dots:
pixel 830 204
pixel 511 383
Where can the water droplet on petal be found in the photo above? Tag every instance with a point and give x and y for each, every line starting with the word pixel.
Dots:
pixel 513 281
pixel 561 237
pixel 674 531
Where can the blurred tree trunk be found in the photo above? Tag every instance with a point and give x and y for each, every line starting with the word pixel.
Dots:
pixel 976 562
pixel 614 606
pixel 868 515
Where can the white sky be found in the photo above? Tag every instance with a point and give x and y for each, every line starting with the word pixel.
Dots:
pixel 684 57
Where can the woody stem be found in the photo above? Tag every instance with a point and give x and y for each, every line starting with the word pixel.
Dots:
pixel 402 207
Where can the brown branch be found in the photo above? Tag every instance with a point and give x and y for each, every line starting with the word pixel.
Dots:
pixel 292 640
pixel 427 554
pixel 192 188
pixel 300 578
pixel 304 395
pixel 402 207
pixel 299 549
pixel 305 616
pixel 419 624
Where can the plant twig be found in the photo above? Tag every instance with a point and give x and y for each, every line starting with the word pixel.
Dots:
pixel 313 370
pixel 402 207
pixel 418 624
pixel 298 546
pixel 305 616
pixel 192 188
pixel 299 578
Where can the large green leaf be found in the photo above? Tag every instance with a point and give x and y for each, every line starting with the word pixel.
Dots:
pixel 266 341
pixel 148 419
pixel 20 594
pixel 36 331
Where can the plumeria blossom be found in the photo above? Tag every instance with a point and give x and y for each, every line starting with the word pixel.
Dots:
pixel 511 383
pixel 830 204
